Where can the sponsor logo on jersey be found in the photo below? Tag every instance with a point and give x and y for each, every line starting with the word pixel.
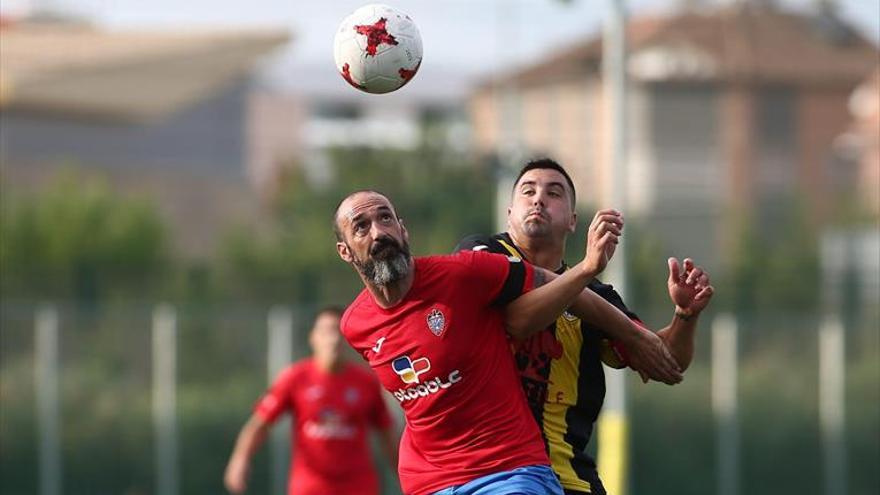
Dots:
pixel 329 425
pixel 409 370
pixel 427 388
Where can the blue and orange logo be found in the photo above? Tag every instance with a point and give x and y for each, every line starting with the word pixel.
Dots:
pixel 409 370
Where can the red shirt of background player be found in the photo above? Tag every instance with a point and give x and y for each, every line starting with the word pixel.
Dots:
pixel 332 413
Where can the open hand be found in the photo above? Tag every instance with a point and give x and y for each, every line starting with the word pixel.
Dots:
pixel 689 288
pixel 236 476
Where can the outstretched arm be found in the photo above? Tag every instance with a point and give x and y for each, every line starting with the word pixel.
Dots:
pixel 690 291
pixel 553 294
pixel 538 308
pixel 646 352
pixel 251 437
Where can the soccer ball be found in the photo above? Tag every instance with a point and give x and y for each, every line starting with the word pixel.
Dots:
pixel 377 49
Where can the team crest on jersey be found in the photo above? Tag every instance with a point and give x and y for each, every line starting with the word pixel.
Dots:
pixel 436 322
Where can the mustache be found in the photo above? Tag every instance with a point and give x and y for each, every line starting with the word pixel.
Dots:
pixel 536 211
pixel 383 243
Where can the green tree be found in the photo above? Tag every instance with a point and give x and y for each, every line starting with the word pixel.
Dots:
pixel 440 197
pixel 775 268
pixel 76 240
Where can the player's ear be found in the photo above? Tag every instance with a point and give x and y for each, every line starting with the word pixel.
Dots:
pixel 344 252
pixel 403 230
pixel 572 225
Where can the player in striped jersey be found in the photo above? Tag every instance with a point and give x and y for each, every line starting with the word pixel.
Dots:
pixel 561 367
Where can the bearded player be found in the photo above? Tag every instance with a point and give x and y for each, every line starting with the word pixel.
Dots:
pixel 435 330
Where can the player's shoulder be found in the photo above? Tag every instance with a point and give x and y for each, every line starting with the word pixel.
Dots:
pixel 444 261
pixel 357 307
pixel 603 289
pixel 481 242
pixel 294 371
pixel 458 262
pixel 607 292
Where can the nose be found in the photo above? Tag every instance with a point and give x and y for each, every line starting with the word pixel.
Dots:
pixel 377 231
pixel 538 198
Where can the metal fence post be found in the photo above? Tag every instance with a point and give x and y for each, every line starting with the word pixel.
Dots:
pixel 832 396
pixel 279 355
pixel 165 398
pixel 724 402
pixel 46 385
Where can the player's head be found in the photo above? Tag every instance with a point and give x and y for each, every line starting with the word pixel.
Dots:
pixel 371 237
pixel 325 337
pixel 542 203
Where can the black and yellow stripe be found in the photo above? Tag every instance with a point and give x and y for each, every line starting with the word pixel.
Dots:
pixel 565 393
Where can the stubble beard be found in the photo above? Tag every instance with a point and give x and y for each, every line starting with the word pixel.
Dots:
pixel 536 229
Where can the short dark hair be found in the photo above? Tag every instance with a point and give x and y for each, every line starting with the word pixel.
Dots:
pixel 548 164
pixel 330 309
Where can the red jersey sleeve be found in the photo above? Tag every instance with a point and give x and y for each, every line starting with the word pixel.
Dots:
pixel 498 278
pixel 278 398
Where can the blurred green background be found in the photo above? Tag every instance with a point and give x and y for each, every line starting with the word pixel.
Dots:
pixel 201 168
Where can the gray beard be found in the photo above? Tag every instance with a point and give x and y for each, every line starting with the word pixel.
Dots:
pixel 386 272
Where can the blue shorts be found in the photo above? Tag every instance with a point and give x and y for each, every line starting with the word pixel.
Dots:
pixel 527 480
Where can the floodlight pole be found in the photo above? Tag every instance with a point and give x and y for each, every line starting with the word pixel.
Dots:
pixel 613 453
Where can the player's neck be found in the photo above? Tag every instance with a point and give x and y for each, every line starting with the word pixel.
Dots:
pixel 546 253
pixel 328 364
pixel 390 295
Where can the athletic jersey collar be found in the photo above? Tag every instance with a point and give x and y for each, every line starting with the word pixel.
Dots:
pixel 506 241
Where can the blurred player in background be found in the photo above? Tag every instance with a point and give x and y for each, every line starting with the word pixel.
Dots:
pixel 560 367
pixel 334 404
pixel 433 330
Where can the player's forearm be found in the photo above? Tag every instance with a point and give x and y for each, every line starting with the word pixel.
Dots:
pixel 593 309
pixel 553 294
pixel 679 339
pixel 252 436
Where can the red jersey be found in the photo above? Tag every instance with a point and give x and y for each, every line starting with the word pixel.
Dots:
pixel 443 353
pixel 332 413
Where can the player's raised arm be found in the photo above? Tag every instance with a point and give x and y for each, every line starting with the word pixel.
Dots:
pixel 646 351
pixel 690 291
pixel 534 311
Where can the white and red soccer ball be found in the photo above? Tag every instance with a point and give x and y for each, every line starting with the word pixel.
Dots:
pixel 377 49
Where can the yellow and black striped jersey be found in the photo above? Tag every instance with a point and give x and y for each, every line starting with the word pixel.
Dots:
pixel 561 373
